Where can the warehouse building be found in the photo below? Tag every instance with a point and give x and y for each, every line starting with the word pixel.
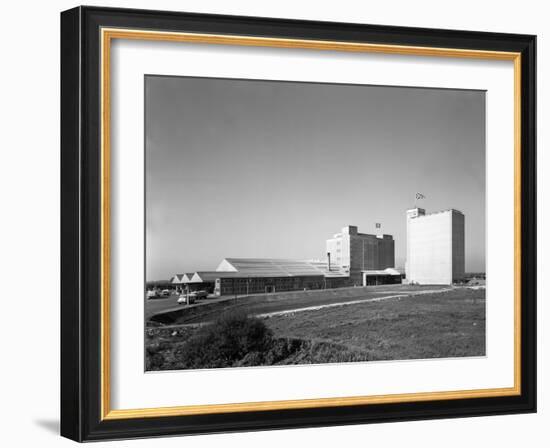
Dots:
pixel 265 275
pixel 241 276
pixel 206 280
pixel 358 252
pixel 435 247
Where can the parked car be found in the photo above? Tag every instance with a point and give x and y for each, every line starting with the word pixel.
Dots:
pixel 165 293
pixel 152 294
pixel 200 294
pixel 193 297
pixel 182 300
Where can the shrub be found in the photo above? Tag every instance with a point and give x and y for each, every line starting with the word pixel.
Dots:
pixel 281 349
pixel 154 359
pixel 226 341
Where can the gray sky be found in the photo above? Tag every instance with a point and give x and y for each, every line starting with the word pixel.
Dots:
pixel 240 168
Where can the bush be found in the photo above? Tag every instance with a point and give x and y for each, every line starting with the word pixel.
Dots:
pixel 154 359
pixel 225 342
pixel 281 349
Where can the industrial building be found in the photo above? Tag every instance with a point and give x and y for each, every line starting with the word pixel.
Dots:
pixel 435 255
pixel 435 247
pixel 260 275
pixel 358 252
pixel 353 259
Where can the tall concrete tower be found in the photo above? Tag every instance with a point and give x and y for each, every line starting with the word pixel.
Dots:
pixel 435 247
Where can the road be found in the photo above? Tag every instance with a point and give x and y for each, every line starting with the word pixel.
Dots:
pixel 156 306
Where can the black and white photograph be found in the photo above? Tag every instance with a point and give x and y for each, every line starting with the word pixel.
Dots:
pixel 292 223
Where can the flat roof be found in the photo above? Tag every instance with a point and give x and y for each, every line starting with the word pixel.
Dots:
pixel 436 212
pixel 387 271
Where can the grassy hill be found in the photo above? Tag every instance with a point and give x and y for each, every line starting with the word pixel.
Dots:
pixel 434 325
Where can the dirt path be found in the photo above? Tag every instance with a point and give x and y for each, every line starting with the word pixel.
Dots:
pixel 351 302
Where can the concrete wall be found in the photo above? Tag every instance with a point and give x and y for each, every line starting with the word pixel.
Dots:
pixel 334 248
pixel 435 247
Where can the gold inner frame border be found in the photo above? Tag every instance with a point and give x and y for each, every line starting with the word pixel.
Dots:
pixel 107 35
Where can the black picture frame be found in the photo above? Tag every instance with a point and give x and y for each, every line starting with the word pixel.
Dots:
pixel 81 224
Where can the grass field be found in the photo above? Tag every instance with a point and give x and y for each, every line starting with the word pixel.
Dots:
pixel 434 325
pixel 271 303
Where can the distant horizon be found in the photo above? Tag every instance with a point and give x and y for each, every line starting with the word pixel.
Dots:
pixel 269 169
pixel 160 280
